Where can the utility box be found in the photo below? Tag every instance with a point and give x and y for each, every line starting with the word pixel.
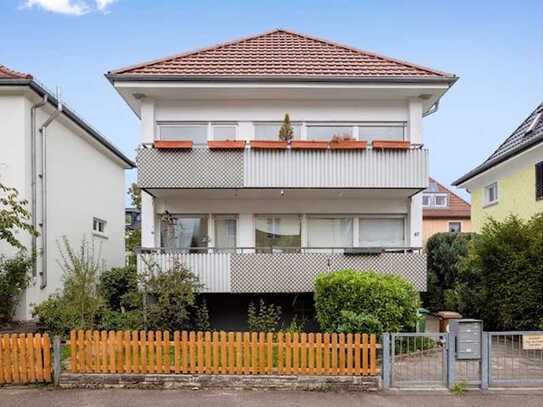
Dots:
pixel 469 336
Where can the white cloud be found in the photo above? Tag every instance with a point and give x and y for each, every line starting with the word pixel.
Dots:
pixel 71 7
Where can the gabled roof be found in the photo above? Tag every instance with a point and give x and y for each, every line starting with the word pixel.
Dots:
pixel 279 54
pixel 527 135
pixel 456 206
pixel 9 77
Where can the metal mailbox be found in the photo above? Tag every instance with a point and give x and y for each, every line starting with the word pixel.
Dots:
pixel 469 335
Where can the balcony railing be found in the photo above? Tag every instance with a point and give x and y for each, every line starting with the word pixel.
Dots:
pixel 282 269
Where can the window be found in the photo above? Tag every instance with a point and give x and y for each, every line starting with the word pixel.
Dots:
pixel 128 218
pixel 197 132
pixel 270 131
pixel 278 232
pixel 225 131
pixel 330 231
pixel 321 132
pixel 380 133
pixel 539 181
pixel 455 227
pixel 99 226
pixel 491 193
pixel 432 200
pixel 184 232
pixel 382 232
pixel 225 232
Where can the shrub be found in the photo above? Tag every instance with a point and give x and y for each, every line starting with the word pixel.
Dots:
pixel 265 318
pixel 202 317
pixel 391 300
pixel 351 322
pixel 55 316
pixel 501 280
pixel 14 278
pixel 119 288
pixel 111 320
pixel 445 252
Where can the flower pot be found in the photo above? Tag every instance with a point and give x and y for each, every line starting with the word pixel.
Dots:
pixel 173 144
pixel 269 144
pixel 348 144
pixel 226 144
pixel 309 145
pixel 391 144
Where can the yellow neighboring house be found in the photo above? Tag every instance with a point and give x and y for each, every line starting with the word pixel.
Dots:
pixel 510 181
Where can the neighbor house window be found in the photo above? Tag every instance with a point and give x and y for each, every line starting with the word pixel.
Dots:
pixel 270 131
pixel 197 132
pixel 539 181
pixel 491 193
pixel 99 226
pixel 184 232
pixel 370 133
pixel 455 227
pixel 280 232
pixel 226 131
pixel 382 232
pixel 433 200
pixel 322 132
pixel 225 232
pixel 330 231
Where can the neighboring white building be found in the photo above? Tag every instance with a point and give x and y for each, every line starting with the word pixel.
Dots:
pixel 257 217
pixel 83 175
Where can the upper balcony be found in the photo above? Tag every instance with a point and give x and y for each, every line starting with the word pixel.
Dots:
pixel 300 164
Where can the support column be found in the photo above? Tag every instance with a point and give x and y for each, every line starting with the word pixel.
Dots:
pixel 415 221
pixel 414 124
pixel 148 219
pixel 246 228
pixel 147 126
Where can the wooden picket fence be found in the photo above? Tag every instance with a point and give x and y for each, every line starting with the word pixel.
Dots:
pixel 25 358
pixel 223 353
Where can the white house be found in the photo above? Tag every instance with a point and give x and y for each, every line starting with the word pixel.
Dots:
pixel 253 215
pixel 72 177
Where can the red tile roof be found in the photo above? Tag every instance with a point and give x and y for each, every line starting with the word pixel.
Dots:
pixel 457 207
pixel 6 73
pixel 281 54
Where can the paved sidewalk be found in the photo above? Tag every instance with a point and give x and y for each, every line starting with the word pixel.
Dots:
pixel 28 397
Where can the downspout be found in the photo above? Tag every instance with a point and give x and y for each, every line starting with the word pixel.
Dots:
pixel 433 109
pixel 33 177
pixel 43 131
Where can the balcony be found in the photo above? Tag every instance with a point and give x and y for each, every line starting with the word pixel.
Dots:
pixel 201 167
pixel 283 270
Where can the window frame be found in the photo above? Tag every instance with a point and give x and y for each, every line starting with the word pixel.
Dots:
pixel 539 181
pixel 221 216
pixel 402 217
pixel 455 222
pixel 295 124
pixel 214 125
pixel 262 249
pixel 96 229
pixel 486 194
pixel 432 196
pixel 205 125
pixel 354 223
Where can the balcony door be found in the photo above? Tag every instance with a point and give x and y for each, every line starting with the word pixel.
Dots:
pixel 225 233
pixel 186 233
pixel 278 233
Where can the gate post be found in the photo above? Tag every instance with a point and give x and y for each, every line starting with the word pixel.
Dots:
pixel 451 359
pixel 485 361
pixel 386 361
pixel 57 364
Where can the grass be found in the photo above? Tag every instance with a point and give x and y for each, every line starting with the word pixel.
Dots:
pixel 459 388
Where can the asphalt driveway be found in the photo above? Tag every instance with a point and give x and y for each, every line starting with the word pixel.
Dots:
pixel 27 397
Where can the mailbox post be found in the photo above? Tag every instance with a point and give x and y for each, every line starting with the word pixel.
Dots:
pixel 469 336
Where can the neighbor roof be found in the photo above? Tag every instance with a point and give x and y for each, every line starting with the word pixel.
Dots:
pixel 456 206
pixel 279 54
pixel 9 77
pixel 528 134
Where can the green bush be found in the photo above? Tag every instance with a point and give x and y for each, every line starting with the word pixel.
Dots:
pixel 14 278
pixel 119 288
pixel 111 320
pixel 265 318
pixel 202 317
pixel 391 300
pixel 55 316
pixel 445 252
pixel 501 280
pixel 351 322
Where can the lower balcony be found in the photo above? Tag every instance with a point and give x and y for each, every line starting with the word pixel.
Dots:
pixel 283 270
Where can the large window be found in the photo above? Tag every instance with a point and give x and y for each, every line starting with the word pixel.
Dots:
pixel 491 194
pixel 370 133
pixel 184 232
pixel 278 232
pixel 322 132
pixel 270 131
pixel 197 132
pixel 382 232
pixel 330 231
pixel 225 232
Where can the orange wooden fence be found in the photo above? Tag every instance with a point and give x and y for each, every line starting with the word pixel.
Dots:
pixel 25 358
pixel 223 353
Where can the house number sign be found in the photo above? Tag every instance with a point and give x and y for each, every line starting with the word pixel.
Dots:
pixel 532 342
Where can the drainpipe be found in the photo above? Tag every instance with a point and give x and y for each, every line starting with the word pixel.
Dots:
pixel 432 110
pixel 43 175
pixel 33 192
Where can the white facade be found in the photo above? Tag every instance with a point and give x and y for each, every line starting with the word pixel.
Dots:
pixel 85 181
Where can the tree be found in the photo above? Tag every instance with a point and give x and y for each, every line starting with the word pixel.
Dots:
pixel 14 217
pixel 286 132
pixel 135 195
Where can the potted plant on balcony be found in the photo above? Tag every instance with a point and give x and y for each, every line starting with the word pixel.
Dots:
pixel 286 132
pixel 226 144
pixel 391 144
pixel 346 142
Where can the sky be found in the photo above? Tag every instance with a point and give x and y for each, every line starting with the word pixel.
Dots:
pixel 494 46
